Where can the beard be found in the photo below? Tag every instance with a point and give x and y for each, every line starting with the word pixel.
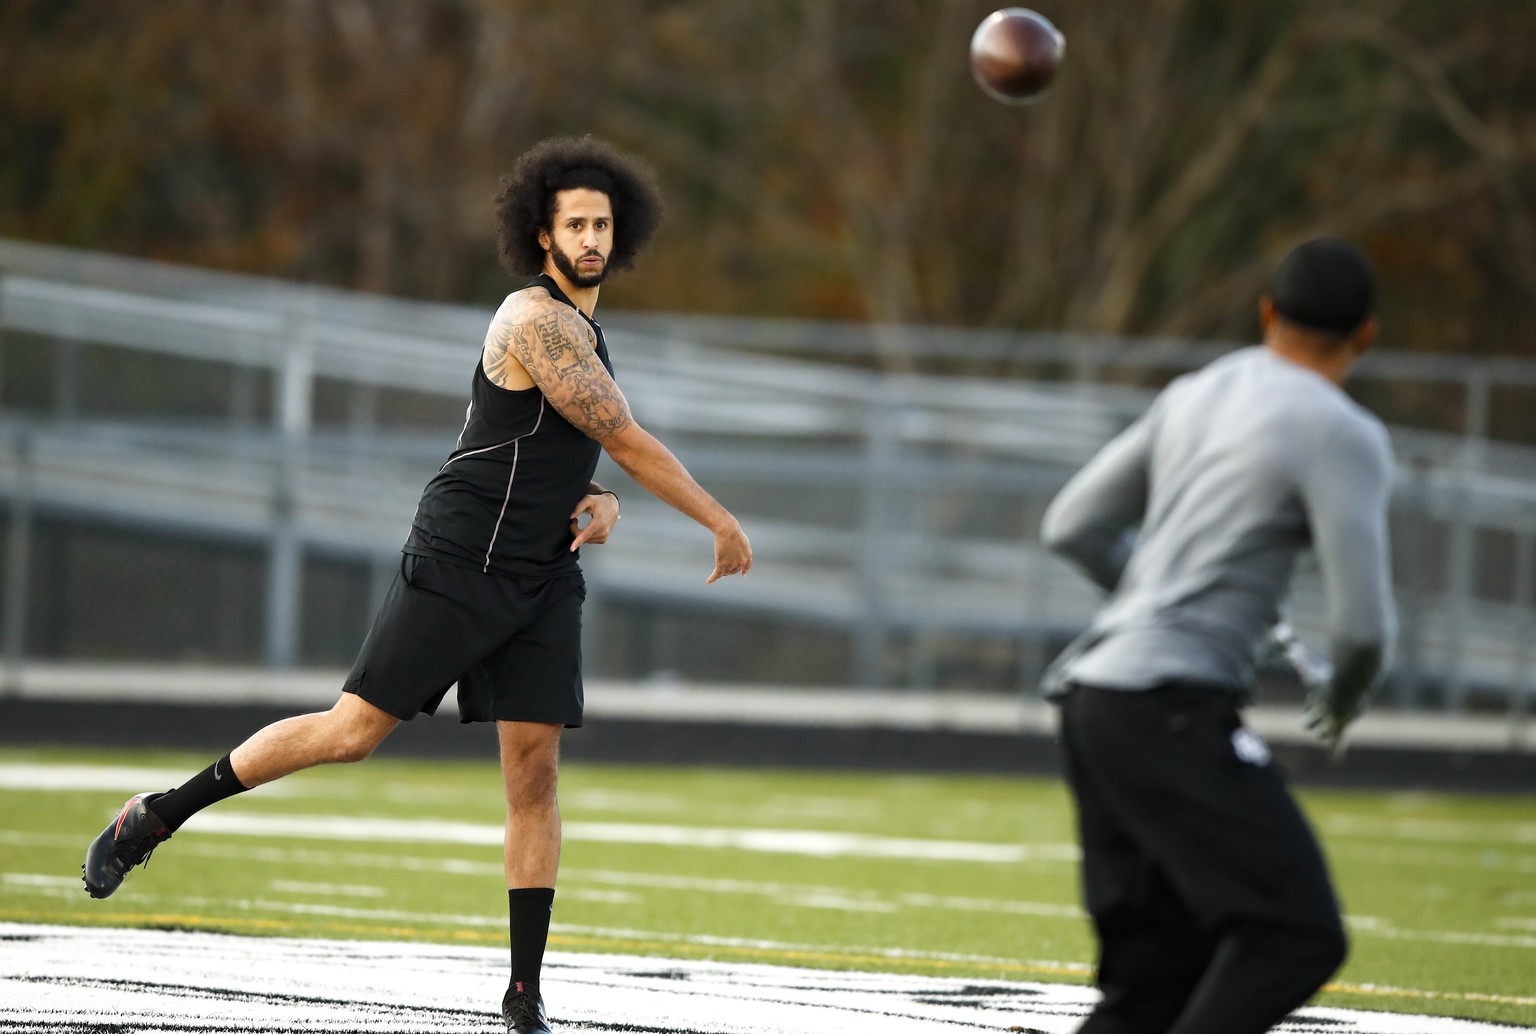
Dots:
pixel 567 268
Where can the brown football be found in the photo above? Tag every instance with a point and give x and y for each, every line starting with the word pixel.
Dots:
pixel 1015 53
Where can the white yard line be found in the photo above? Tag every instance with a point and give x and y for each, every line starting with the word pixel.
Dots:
pixel 625 934
pixel 37 879
pixel 1516 923
pixel 338 890
pixel 1458 831
pixel 811 843
pixel 603 799
pixel 1469 857
pixel 124 779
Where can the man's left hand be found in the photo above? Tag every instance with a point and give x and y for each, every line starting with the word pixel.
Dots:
pixel 603 513
pixel 1326 722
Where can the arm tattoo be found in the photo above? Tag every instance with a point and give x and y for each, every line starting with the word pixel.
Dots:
pixel 498 357
pixel 558 354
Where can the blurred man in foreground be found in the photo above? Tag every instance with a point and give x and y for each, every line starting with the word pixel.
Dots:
pixel 1208 892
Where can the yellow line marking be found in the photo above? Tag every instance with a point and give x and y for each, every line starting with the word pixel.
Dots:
pixel 627 944
pixel 1380 991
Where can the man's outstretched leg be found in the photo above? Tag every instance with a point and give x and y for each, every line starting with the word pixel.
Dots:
pixel 349 731
pixel 530 756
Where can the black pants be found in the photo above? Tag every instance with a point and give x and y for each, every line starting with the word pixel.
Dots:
pixel 1209 894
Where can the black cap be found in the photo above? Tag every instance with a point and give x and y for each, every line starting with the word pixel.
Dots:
pixel 1325 284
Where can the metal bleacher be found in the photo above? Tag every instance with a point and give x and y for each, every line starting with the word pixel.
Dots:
pixel 879 505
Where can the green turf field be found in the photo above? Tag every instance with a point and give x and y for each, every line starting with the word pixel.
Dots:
pixel 954 875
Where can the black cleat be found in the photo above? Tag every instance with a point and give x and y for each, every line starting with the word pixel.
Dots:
pixel 524 1013
pixel 127 841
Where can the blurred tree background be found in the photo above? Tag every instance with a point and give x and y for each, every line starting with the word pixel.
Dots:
pixel 822 158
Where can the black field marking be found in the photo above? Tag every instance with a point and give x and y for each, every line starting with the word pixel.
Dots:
pixel 118 1026
pixel 628 1028
pixel 664 974
pixel 170 990
pixel 92 980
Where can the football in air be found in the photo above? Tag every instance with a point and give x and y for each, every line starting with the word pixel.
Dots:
pixel 1015 53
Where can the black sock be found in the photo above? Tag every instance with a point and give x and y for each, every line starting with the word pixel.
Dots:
pixel 528 910
pixel 209 786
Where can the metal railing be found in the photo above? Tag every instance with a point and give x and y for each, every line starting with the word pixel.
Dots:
pixel 898 511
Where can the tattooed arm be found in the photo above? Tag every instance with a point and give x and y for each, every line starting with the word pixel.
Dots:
pixel 535 341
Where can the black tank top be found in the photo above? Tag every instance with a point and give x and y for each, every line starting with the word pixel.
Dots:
pixel 502 503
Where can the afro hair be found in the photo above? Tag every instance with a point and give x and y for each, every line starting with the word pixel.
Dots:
pixel 525 202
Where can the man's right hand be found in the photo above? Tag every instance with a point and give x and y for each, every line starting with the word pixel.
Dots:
pixel 1323 715
pixel 733 553
pixel 1325 721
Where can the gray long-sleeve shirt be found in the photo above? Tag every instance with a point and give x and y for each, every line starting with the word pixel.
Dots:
pixel 1193 518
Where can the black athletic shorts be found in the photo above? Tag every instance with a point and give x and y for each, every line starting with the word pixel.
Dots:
pixel 513 645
